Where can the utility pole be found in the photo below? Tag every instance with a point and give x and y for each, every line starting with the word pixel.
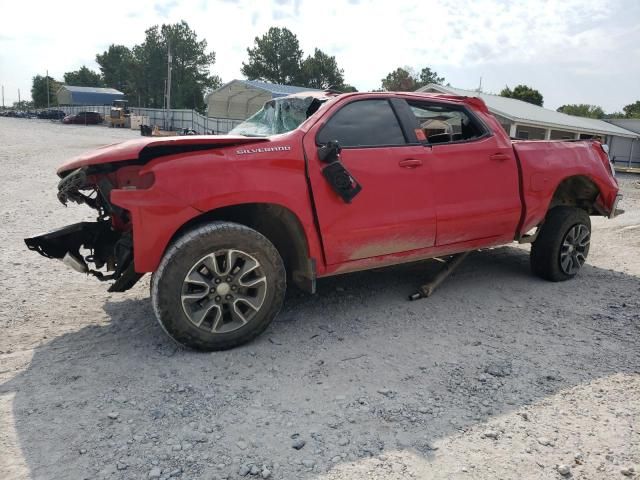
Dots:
pixel 18 98
pixel 166 113
pixel 2 97
pixel 168 81
pixel 47 89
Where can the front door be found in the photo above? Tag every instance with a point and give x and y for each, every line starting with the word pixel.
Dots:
pixel 395 210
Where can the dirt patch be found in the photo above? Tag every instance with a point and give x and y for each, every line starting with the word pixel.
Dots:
pixel 498 375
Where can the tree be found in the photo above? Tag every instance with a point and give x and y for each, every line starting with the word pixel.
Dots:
pixel 276 57
pixel 406 80
pixel 321 71
pixel 83 78
pixel 190 76
pixel 524 93
pixel 116 65
pixel 149 70
pixel 632 110
pixel 428 76
pixel 39 91
pixel 400 80
pixel 191 61
pixel 582 110
pixel 22 105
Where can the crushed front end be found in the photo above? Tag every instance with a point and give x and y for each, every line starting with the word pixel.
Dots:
pixel 103 248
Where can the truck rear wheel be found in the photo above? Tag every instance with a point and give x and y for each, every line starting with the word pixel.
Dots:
pixel 562 245
pixel 218 286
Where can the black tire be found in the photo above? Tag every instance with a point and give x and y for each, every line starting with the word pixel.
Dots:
pixel 169 286
pixel 548 255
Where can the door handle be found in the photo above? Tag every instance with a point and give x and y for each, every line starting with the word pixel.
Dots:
pixel 410 163
pixel 501 157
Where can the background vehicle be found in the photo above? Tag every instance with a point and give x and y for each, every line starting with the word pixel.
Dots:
pixel 84 118
pixel 119 114
pixel 316 185
pixel 52 114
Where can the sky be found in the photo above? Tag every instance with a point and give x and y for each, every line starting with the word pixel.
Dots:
pixel 572 51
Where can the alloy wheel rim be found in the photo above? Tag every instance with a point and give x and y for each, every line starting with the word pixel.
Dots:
pixel 574 249
pixel 223 291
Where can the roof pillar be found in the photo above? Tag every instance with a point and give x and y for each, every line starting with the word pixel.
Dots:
pixel 547 134
pixel 512 130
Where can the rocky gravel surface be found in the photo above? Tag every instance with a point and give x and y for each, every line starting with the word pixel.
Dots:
pixel 499 375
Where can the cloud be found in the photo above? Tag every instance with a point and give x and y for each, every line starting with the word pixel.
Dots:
pixel 573 51
pixel 163 9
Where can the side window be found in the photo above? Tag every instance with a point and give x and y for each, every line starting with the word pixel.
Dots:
pixel 363 123
pixel 445 123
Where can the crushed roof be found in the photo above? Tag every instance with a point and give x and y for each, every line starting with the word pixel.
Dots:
pixel 519 111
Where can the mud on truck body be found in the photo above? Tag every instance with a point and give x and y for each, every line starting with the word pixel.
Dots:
pixel 315 185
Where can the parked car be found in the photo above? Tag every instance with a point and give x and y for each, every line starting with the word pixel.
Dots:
pixel 52 114
pixel 84 118
pixel 321 184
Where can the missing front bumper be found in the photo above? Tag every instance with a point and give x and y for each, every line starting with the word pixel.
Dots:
pixel 110 249
pixel 69 239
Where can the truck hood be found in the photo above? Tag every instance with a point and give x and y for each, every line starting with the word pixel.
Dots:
pixel 144 149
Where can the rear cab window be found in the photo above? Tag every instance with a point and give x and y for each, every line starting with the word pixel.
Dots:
pixel 442 123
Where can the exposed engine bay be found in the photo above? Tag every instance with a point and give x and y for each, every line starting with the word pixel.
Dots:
pixel 103 248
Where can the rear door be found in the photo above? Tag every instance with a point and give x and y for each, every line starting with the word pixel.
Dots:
pixel 394 212
pixel 475 174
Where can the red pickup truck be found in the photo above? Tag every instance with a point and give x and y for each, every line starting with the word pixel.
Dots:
pixel 320 184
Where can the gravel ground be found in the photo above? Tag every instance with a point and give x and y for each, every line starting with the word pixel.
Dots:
pixel 499 375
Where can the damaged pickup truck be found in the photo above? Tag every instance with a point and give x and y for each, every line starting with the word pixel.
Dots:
pixel 321 184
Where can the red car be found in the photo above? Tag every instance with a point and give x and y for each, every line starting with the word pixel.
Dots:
pixel 316 185
pixel 84 118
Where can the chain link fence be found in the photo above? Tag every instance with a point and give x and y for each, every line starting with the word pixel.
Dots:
pixel 174 119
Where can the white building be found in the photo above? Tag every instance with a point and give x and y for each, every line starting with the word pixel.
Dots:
pixel 239 99
pixel 527 121
pixel 626 151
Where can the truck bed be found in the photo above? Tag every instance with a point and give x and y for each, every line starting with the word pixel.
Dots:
pixel 544 165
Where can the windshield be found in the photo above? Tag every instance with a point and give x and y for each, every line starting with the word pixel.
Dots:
pixel 280 115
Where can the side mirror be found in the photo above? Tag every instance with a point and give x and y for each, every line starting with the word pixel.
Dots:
pixel 329 152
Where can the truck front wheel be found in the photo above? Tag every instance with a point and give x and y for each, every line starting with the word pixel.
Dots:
pixel 562 246
pixel 218 286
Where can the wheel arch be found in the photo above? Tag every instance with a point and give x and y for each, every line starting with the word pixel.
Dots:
pixel 576 191
pixel 278 224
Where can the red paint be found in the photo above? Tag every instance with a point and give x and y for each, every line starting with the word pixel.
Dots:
pixel 417 202
pixel 130 150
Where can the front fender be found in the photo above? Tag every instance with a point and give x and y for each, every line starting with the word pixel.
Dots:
pixel 190 185
pixel 155 218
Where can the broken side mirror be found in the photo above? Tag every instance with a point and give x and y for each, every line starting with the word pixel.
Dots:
pixel 341 181
pixel 329 152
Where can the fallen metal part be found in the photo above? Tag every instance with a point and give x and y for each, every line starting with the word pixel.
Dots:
pixel 427 289
pixel 72 261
